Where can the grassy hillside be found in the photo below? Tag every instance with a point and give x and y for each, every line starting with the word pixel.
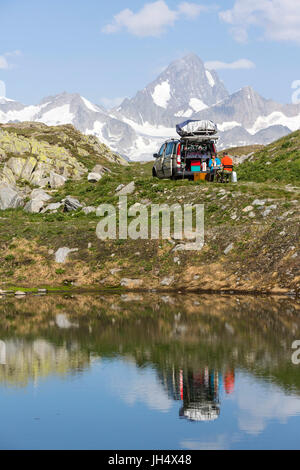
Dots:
pixel 249 245
pixel 277 162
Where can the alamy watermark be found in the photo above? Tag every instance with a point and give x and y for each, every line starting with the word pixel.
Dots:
pixel 2 89
pixel 296 354
pixel 152 222
pixel 296 94
pixel 2 352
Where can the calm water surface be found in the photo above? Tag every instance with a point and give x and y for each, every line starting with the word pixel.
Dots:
pixel 149 372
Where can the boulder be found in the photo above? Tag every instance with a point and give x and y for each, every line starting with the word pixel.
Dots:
pixel 56 181
pixel 167 281
pixel 94 177
pixel 53 207
pixel 34 206
pixel 9 198
pixel 128 189
pixel 100 169
pixel 71 204
pixel 16 165
pixel 28 168
pixel 40 194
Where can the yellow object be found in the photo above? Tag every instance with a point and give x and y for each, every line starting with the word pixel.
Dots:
pixel 199 176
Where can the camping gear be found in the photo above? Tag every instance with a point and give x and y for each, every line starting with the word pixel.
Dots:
pixel 234 177
pixel 204 166
pixel 192 127
pixel 196 166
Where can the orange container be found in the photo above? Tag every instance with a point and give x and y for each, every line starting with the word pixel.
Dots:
pixel 199 176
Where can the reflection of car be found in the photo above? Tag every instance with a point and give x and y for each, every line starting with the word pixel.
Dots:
pixel 200 412
pixel 181 158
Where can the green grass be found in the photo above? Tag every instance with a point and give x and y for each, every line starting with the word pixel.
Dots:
pixel 278 162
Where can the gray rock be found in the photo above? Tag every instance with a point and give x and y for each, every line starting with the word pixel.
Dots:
pixel 71 204
pixel 120 187
pixel 56 181
pixel 94 177
pixel 129 189
pixel 53 207
pixel 269 210
pixel 258 202
pixel 248 209
pixel 101 170
pixel 34 206
pixel 40 194
pixel 115 271
pixel 20 293
pixel 167 281
pixel 62 254
pixel 9 198
pixel 228 249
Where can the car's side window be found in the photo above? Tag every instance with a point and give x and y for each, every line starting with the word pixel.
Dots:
pixel 162 150
pixel 169 148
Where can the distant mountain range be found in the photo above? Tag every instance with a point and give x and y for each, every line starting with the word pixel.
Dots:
pixel 184 90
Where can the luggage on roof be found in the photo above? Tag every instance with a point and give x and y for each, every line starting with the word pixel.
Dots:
pixel 190 128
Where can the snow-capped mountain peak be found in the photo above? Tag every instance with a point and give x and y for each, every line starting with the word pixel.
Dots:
pixel 183 88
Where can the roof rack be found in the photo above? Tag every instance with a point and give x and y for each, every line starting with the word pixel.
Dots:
pixel 200 137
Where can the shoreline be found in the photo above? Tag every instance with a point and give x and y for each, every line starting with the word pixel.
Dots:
pixel 41 291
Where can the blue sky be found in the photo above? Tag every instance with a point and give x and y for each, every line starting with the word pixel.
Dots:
pixel 97 49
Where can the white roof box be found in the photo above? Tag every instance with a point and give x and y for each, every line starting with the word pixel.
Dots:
pixel 192 128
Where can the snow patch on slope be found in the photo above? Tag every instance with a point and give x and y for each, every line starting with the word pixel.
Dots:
pixel 228 125
pixel 162 94
pixel 28 113
pixel 210 78
pixel 90 105
pixel 197 104
pixel 59 115
pixel 273 119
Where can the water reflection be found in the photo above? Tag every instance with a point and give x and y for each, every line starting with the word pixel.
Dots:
pixel 202 358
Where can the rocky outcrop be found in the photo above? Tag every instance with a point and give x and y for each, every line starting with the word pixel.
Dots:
pixel 36 162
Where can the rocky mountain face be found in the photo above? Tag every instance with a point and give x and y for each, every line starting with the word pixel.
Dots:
pixel 181 90
pixel 184 90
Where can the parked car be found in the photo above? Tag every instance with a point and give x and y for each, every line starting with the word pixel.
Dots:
pixel 182 158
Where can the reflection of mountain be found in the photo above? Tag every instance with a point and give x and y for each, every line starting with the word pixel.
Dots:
pixel 30 360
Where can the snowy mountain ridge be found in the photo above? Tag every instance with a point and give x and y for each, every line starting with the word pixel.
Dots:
pixel 184 90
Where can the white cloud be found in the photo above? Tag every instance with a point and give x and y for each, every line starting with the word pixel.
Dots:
pixel 191 10
pixel 153 19
pixel 279 19
pixel 236 65
pixel 3 59
pixel 111 102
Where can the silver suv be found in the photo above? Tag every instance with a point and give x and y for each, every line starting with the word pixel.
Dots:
pixel 177 157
